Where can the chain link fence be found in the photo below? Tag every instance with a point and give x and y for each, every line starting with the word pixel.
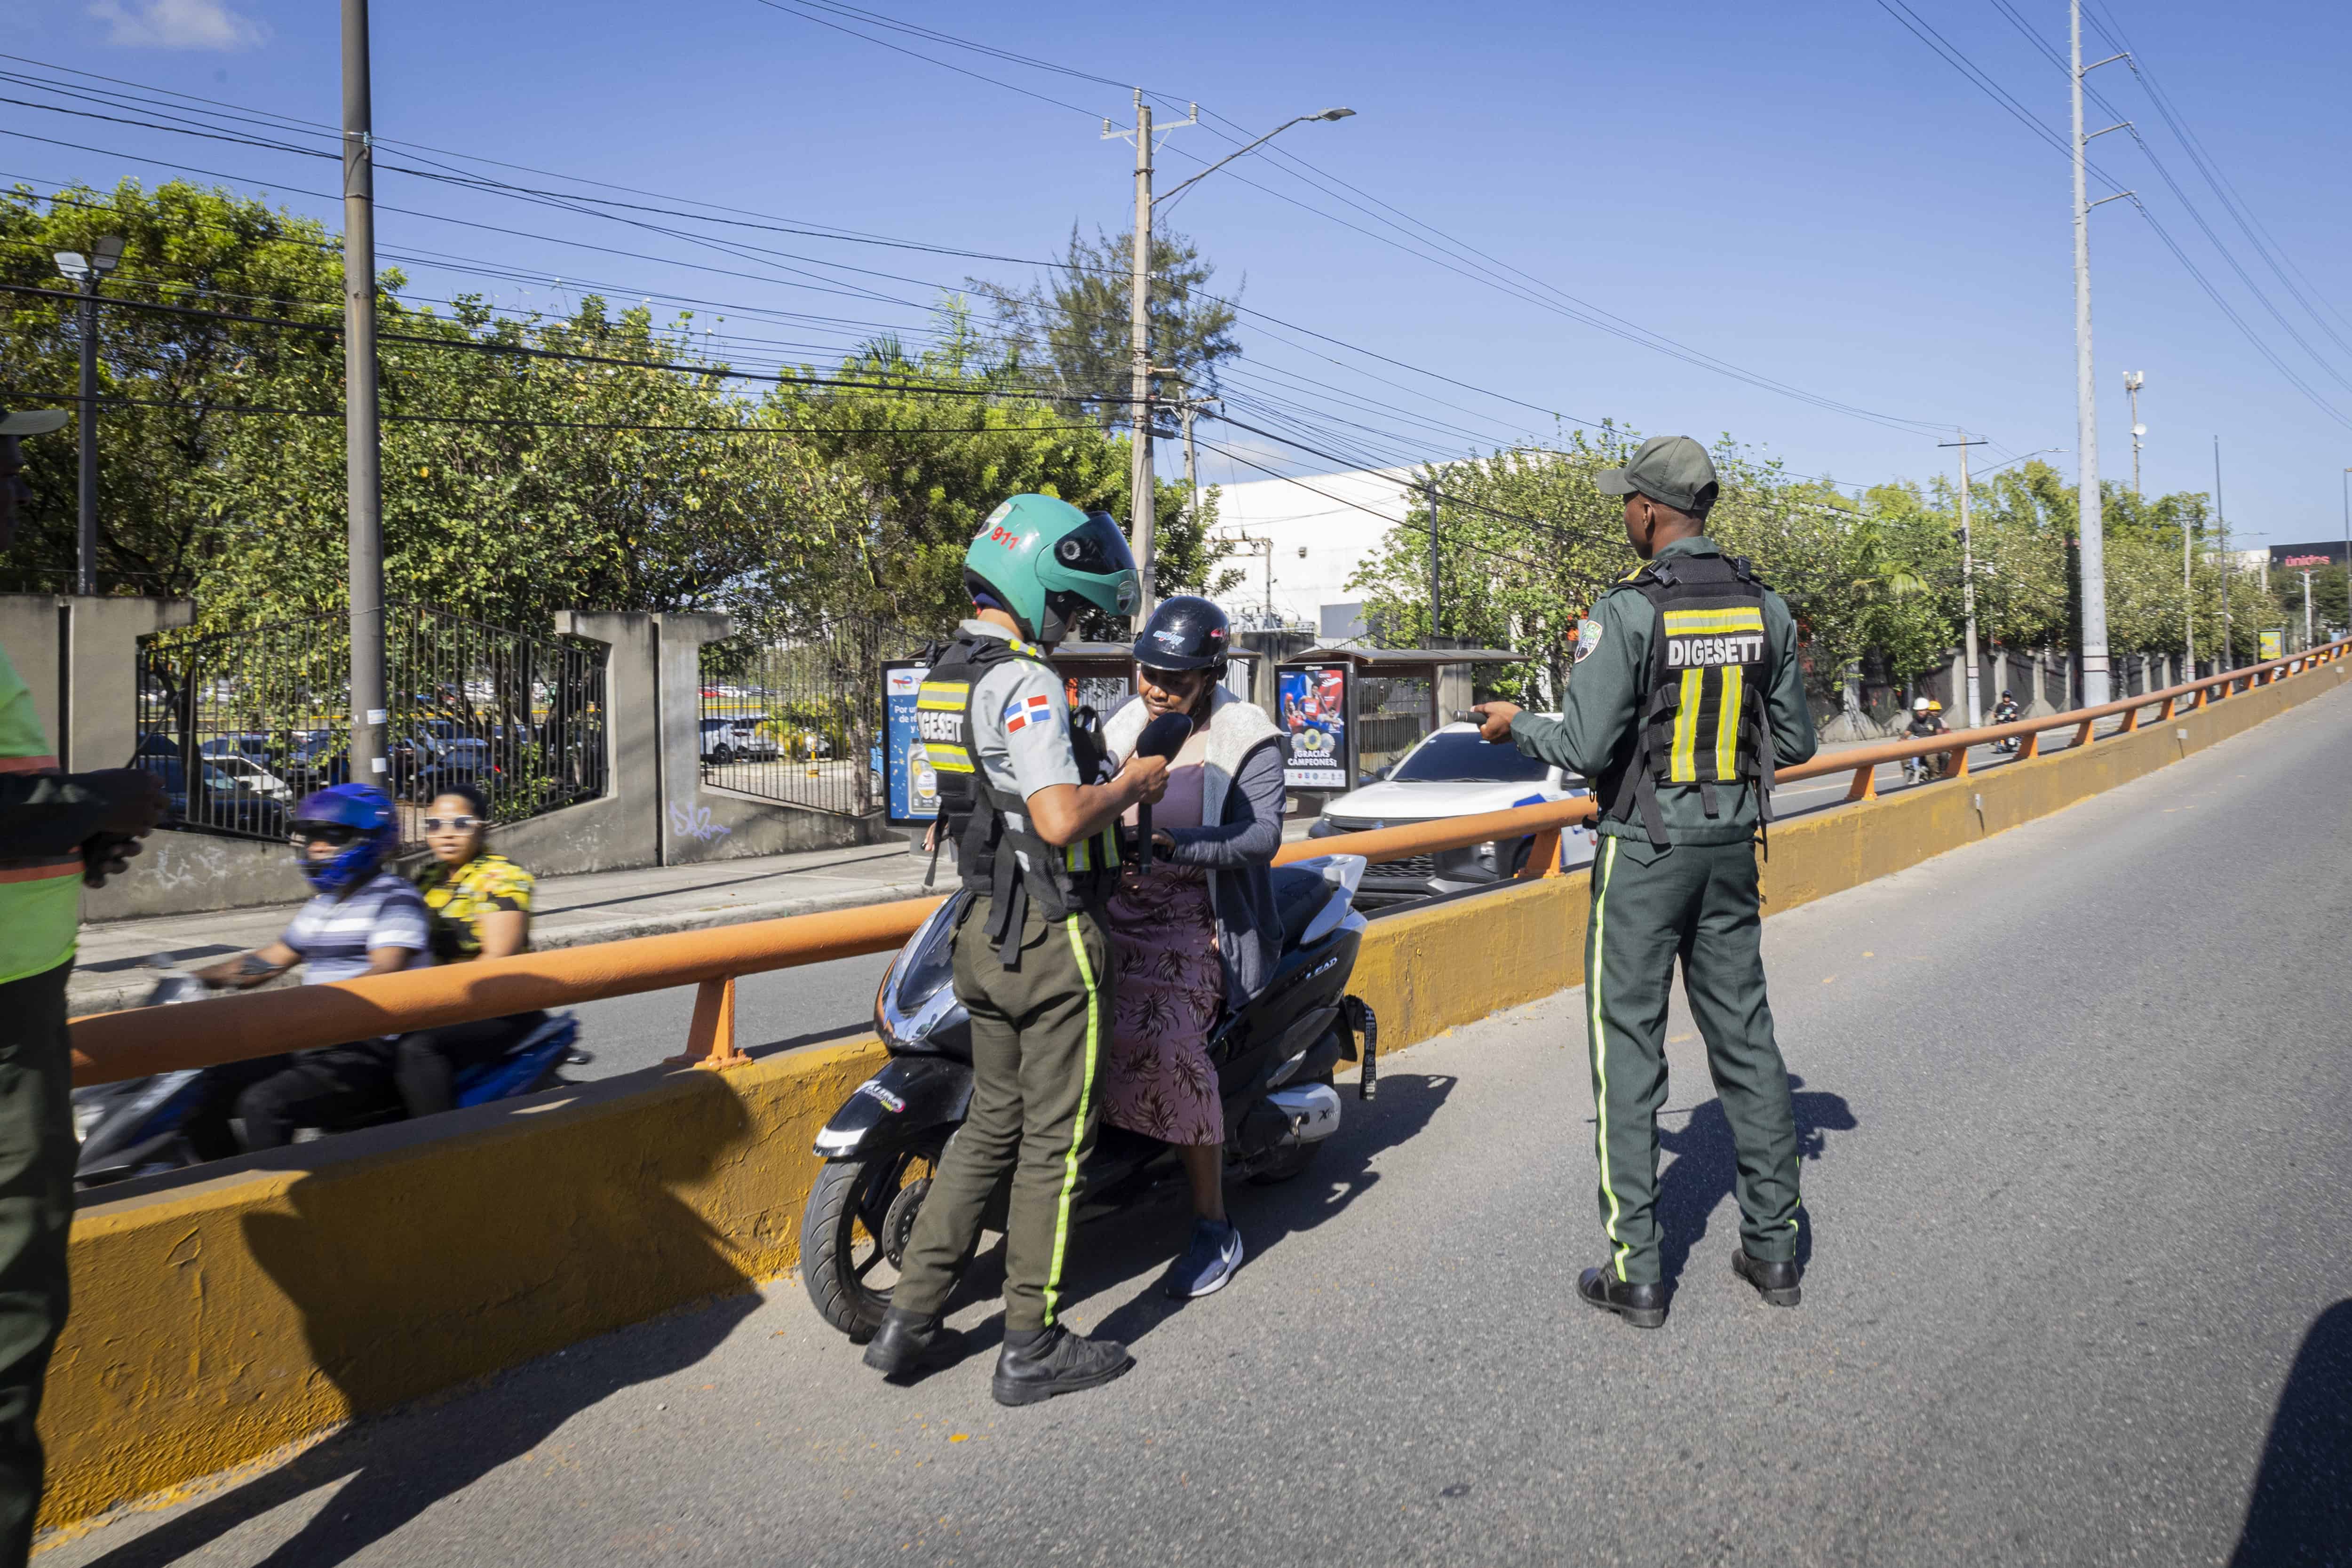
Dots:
pixel 240 725
pixel 798 719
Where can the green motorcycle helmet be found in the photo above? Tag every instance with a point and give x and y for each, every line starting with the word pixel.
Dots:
pixel 1041 561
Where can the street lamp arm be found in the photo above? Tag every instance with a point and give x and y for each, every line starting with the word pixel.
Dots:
pixel 1300 120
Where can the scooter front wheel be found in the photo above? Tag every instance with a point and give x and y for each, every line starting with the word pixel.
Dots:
pixel 853 1235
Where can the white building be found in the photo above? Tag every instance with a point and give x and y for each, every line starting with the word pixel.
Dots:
pixel 1299 543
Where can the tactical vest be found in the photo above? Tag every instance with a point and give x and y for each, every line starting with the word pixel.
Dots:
pixel 1011 866
pixel 1700 717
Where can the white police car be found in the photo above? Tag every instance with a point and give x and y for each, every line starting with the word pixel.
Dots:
pixel 1451 773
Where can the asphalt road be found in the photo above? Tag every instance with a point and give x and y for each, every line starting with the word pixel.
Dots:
pixel 2076 1107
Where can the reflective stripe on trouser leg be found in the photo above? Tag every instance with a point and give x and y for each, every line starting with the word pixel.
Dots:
pixel 1639 900
pixel 1086 1103
pixel 1724 978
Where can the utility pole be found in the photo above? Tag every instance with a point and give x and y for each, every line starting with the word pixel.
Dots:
pixel 2306 611
pixel 2094 556
pixel 2133 381
pixel 1142 503
pixel 1969 579
pixel 1433 614
pixel 88 271
pixel 361 455
pixel 2227 659
pixel 2188 597
pixel 1139 310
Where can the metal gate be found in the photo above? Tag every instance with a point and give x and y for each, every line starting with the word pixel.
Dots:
pixel 240 725
pixel 798 721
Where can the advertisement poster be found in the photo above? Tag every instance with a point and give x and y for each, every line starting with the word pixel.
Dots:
pixel 1316 717
pixel 2275 644
pixel 914 788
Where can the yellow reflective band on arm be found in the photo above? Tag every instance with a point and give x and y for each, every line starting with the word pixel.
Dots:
pixel 1682 765
pixel 1726 720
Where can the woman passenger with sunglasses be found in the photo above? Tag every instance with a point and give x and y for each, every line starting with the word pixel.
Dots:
pixel 480 905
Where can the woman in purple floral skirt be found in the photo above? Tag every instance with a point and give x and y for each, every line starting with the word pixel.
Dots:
pixel 1197 933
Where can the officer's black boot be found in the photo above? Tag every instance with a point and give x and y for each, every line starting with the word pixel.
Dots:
pixel 1643 1305
pixel 1038 1363
pixel 909 1344
pixel 1775 1282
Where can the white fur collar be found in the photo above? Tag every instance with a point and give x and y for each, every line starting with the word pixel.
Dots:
pixel 1235 730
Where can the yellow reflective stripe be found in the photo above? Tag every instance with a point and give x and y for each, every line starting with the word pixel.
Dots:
pixel 1682 762
pixel 1679 622
pixel 1077 857
pixel 947 759
pixel 1601 1049
pixel 1077 1129
pixel 1727 721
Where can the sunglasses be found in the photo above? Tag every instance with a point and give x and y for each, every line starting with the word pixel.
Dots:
pixel 454 823
pixel 336 834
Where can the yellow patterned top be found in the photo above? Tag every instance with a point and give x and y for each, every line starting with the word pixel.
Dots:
pixel 457 900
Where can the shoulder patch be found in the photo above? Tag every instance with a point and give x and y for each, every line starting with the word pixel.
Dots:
pixel 1587 638
pixel 1023 711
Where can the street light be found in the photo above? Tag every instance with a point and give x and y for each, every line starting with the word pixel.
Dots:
pixel 1141 503
pixel 88 271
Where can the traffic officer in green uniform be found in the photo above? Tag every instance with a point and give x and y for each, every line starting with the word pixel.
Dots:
pixel 1686 694
pixel 58 832
pixel 1034 825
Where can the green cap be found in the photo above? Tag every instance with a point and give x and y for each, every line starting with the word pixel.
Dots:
pixel 33 422
pixel 1670 468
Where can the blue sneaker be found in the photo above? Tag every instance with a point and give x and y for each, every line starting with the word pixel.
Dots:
pixel 1207 1264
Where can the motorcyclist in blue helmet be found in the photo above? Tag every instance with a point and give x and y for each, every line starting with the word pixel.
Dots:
pixel 364 919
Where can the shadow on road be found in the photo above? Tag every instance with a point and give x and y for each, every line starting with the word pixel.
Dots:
pixel 364 1312
pixel 2300 1511
pixel 1343 1172
pixel 1706 1164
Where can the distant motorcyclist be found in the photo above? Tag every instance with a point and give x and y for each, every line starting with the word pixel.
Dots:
pixel 364 919
pixel 1926 720
pixel 2006 711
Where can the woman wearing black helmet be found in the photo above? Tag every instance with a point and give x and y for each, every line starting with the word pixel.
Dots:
pixel 1198 932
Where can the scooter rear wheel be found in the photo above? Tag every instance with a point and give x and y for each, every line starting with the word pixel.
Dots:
pixel 853 1235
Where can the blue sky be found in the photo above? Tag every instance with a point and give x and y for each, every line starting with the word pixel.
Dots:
pixel 1807 192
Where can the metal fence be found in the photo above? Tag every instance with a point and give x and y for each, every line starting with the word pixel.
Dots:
pixel 798 721
pixel 240 725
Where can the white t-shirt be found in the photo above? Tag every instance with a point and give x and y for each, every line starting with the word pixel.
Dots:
pixel 335 935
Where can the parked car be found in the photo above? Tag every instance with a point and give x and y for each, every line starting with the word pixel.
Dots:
pixel 436 754
pixel 253 776
pixel 314 760
pixel 726 740
pixel 1451 773
pixel 252 744
pixel 220 798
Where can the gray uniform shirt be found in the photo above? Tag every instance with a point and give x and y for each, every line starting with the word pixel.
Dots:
pixel 1020 726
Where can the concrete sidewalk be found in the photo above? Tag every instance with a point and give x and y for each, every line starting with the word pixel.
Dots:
pixel 604 906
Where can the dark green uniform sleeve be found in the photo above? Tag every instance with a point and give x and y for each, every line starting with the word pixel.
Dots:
pixel 1793 740
pixel 44 814
pixel 1596 718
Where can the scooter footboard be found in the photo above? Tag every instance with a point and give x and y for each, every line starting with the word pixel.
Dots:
pixel 910 1097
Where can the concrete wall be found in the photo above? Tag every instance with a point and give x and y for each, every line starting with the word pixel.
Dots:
pixel 219 1319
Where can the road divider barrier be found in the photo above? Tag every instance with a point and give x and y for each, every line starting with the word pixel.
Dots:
pixel 223 1313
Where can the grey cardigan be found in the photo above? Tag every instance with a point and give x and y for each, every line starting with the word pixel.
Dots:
pixel 1238 851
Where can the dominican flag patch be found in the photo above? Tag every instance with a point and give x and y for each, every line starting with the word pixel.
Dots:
pixel 1034 711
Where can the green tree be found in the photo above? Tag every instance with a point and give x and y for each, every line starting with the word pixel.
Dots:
pixel 1075 329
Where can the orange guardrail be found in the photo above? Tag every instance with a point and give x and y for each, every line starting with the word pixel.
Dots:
pixel 139 1041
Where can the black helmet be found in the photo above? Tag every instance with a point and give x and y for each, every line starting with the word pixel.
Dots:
pixel 1186 632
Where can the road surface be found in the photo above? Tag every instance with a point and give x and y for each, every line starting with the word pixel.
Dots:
pixel 2077 1107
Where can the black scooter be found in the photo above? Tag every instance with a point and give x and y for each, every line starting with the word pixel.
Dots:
pixel 1275 1058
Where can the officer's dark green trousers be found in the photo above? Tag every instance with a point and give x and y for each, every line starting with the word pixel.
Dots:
pixel 1697 903
pixel 1038 1031
pixel 37 1165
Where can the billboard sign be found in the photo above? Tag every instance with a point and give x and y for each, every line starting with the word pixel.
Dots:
pixel 913 787
pixel 1316 715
